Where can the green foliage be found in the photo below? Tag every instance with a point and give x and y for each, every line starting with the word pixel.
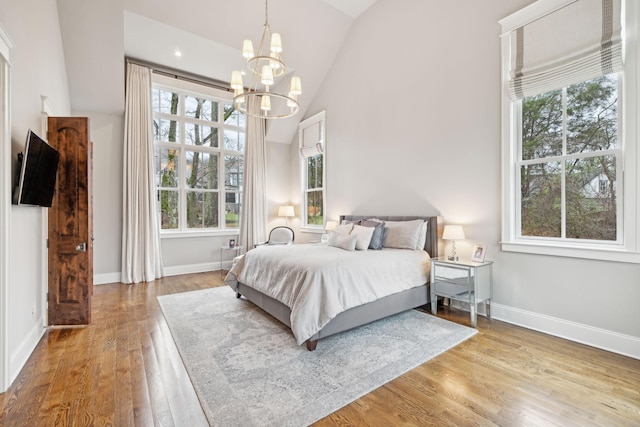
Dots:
pixel 587 120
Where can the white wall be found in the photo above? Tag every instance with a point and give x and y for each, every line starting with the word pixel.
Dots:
pixel 38 69
pixel 106 132
pixel 413 127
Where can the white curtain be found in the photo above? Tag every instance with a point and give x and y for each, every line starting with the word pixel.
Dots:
pixel 253 218
pixel 577 42
pixel 141 254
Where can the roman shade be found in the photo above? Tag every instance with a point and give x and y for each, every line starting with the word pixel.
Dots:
pixel 312 139
pixel 578 41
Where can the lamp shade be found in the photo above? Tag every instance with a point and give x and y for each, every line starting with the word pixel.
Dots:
pixel 276 43
pixel 236 80
pixel 296 86
pixel 247 49
pixel 453 232
pixel 331 225
pixel 286 210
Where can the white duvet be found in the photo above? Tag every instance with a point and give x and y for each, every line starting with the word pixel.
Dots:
pixel 318 282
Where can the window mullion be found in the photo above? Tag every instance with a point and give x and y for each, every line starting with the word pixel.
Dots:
pixel 563 168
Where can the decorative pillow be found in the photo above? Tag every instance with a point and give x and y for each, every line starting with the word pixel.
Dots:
pixel 364 236
pixel 378 229
pixel 422 238
pixel 343 228
pixel 350 221
pixel 343 241
pixel 402 234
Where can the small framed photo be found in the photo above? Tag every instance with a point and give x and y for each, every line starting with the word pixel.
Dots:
pixel 232 243
pixel 478 253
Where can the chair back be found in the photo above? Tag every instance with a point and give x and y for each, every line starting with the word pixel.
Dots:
pixel 281 235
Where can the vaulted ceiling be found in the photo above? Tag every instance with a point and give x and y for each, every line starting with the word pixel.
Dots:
pixel 208 33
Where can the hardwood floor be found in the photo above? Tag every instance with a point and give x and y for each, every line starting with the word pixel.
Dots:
pixel 124 370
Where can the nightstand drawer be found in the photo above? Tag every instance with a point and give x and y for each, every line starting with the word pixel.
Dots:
pixel 451 289
pixel 466 281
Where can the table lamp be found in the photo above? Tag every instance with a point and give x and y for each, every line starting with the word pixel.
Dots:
pixel 453 233
pixel 286 211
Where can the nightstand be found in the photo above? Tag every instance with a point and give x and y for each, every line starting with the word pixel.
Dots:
pixel 236 248
pixel 464 280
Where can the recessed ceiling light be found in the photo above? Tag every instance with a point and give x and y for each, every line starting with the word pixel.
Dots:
pixel 178 53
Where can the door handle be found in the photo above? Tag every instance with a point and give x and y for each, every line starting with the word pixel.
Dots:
pixel 82 247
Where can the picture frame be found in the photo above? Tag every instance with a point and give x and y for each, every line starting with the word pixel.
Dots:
pixel 478 253
pixel 232 243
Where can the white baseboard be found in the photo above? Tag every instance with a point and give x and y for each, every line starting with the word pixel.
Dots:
pixel 105 278
pixel 23 351
pixel 626 345
pixel 191 268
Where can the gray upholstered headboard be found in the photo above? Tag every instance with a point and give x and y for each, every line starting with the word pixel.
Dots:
pixel 433 244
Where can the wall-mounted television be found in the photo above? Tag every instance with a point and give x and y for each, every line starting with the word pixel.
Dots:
pixel 36 173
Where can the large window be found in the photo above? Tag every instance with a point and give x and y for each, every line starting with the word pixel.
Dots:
pixel 312 161
pixel 569 141
pixel 568 168
pixel 199 151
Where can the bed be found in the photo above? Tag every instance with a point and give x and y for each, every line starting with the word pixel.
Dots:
pixel 258 268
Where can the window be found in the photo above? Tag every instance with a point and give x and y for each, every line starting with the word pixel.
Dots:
pixel 199 151
pixel 311 136
pixel 568 165
pixel 569 130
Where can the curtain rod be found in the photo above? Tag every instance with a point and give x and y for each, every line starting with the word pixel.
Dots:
pixel 179 74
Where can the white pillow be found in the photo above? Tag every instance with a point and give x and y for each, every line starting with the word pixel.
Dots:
pixel 364 235
pixel 422 238
pixel 402 234
pixel 343 228
pixel 343 241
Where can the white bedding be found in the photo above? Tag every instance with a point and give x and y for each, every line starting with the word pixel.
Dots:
pixel 318 282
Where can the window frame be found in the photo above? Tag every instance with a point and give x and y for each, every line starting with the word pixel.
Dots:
pixel 184 89
pixel 307 123
pixel 626 248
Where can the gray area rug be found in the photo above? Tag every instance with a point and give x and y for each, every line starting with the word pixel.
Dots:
pixel 248 371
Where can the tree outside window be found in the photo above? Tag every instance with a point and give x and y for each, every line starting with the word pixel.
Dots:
pixel 191 162
pixel 568 167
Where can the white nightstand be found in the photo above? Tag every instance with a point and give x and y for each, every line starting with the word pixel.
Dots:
pixel 465 280
pixel 236 248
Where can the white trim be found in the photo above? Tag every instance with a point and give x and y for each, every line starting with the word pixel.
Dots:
pixel 172 234
pixel 615 342
pixel 617 255
pixel 5 203
pixel 191 268
pixel 46 111
pixel 24 349
pixel 528 14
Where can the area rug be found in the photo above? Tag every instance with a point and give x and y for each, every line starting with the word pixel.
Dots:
pixel 247 369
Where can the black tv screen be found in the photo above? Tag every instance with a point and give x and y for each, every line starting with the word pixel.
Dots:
pixel 38 169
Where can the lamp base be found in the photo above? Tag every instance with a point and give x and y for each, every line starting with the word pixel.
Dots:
pixel 453 258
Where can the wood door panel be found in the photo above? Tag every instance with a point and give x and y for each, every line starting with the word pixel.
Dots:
pixel 70 224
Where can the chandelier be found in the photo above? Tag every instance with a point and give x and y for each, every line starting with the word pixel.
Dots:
pixel 265 68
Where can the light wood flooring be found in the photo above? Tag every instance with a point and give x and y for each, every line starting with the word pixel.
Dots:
pixel 124 370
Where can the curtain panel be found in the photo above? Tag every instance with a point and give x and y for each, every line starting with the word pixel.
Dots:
pixel 253 217
pixel 141 251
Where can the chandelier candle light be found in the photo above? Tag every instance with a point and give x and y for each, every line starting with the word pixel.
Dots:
pixel 266 67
